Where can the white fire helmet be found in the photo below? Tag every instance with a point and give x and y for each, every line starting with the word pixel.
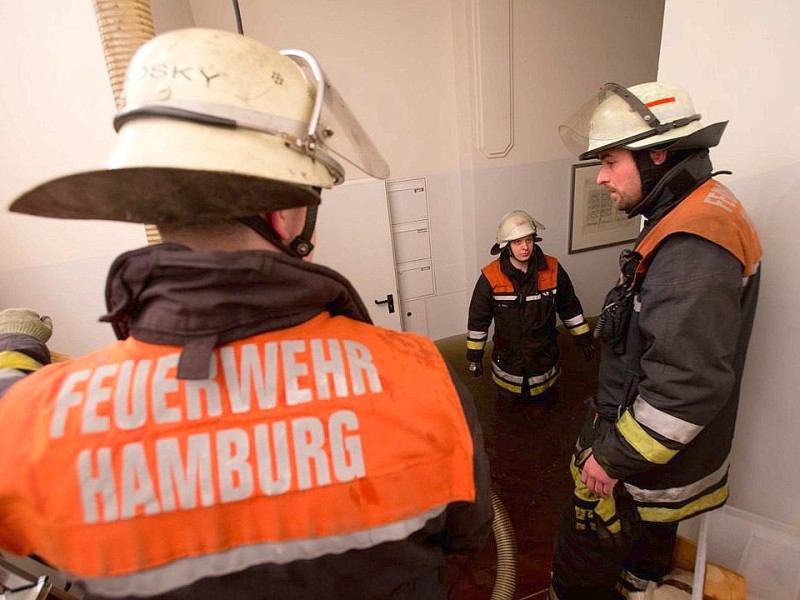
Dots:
pixel 215 125
pixel 643 116
pixel 514 226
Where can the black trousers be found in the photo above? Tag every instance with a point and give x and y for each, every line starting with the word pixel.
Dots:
pixel 590 567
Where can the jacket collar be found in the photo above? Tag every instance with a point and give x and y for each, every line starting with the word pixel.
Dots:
pixel 538 261
pixel 169 294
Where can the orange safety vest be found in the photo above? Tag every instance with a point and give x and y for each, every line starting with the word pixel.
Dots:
pixel 502 285
pixel 711 212
pixel 317 439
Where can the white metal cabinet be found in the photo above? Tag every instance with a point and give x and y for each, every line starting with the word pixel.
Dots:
pixel 408 210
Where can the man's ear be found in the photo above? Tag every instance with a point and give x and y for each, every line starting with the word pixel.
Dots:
pixel 658 156
pixel 280 224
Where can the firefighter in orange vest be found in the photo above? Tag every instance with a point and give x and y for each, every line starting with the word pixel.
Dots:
pixel 522 291
pixel 656 445
pixel 251 434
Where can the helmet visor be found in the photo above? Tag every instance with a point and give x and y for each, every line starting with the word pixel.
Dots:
pixel 333 130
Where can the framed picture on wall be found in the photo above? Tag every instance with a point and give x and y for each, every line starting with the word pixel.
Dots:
pixel 593 220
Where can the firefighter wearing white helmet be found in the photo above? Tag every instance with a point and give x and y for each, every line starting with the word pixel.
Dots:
pixel 673 333
pixel 523 291
pixel 514 226
pixel 242 438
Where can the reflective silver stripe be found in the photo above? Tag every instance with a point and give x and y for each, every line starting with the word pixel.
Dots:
pixel 506 376
pixel 539 296
pixel 679 494
pixel 514 389
pixel 669 426
pixel 477 335
pixel 517 379
pixel 543 377
pixel 574 321
pixel 11 373
pixel 183 572
pixel 501 298
pixel 637 303
pixel 635 583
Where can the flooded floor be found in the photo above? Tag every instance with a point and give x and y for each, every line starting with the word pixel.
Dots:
pixel 529 448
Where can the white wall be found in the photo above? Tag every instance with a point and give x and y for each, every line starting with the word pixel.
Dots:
pixel 392 62
pixel 738 60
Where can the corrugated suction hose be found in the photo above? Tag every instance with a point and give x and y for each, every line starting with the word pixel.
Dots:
pixel 124 26
pixel 505 583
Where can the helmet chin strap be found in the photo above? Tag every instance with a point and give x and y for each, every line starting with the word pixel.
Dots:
pixel 299 247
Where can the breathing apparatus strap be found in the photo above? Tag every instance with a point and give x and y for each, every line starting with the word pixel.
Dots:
pixel 612 324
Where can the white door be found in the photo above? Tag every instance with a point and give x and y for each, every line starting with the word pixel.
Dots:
pixel 354 238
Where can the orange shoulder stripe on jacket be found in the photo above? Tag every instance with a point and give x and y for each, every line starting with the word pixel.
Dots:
pixel 548 277
pixel 714 213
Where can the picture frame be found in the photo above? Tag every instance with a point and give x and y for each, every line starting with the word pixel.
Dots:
pixel 593 221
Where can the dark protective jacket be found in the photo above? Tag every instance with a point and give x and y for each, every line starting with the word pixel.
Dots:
pixel 524 306
pixel 250 436
pixel 19 355
pixel 669 381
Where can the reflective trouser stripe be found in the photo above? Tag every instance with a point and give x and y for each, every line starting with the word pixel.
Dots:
pixel 515 387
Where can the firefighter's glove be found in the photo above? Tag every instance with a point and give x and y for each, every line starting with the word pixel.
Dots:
pixel 595 515
pixel 476 369
pixel 586 343
pixel 598 517
pixel 24 321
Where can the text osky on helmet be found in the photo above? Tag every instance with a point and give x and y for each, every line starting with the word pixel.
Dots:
pixel 643 116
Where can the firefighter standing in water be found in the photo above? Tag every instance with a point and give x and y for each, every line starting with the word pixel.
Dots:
pixel 674 332
pixel 522 291
pixel 251 434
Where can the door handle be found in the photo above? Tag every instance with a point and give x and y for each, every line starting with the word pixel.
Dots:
pixel 389 302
